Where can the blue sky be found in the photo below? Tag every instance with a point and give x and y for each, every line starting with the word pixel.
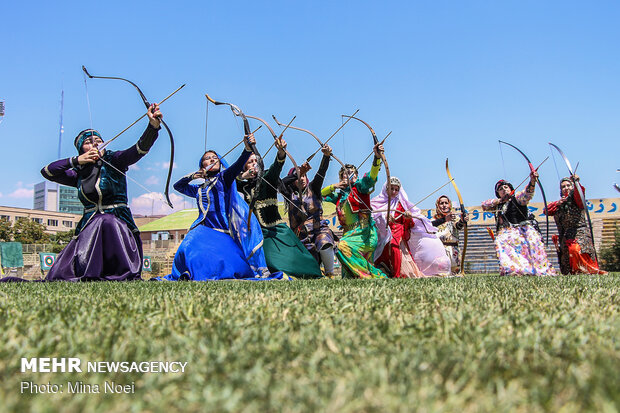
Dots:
pixel 448 78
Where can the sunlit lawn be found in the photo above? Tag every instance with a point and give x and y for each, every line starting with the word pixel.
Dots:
pixel 460 344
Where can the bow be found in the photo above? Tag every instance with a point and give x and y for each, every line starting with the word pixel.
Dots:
pixel 147 104
pixel 316 138
pixel 259 160
pixel 275 138
pixel 542 191
pixel 387 168
pixel 462 206
pixel 584 201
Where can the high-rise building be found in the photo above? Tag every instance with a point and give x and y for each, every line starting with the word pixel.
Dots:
pixel 49 196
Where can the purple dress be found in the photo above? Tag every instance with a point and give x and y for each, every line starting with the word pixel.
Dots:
pixel 107 245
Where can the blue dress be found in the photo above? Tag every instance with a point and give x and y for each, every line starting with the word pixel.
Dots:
pixel 218 245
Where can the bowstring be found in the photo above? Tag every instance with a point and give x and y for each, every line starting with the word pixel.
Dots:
pixel 344 147
pixel 134 181
pixel 501 152
pixel 90 114
pixel 108 163
pixel 206 123
pixel 557 172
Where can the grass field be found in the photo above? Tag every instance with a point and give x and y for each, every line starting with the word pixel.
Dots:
pixel 466 345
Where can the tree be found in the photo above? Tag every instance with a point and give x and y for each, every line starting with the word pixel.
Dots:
pixel 610 256
pixel 6 230
pixel 62 237
pixel 27 231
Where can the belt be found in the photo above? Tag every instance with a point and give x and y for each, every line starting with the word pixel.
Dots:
pixel 362 223
pixel 104 207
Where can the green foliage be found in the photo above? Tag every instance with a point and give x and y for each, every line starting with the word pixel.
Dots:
pixel 461 344
pixel 610 256
pixel 27 231
pixel 62 237
pixel 6 230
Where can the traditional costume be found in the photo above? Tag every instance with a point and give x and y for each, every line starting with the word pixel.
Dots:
pixel 107 245
pixel 518 242
pixel 283 250
pixel 448 233
pixel 218 245
pixel 359 239
pixel 415 249
pixel 573 242
pixel 305 216
pixel 393 254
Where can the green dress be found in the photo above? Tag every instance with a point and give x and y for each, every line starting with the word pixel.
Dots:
pixel 359 238
pixel 283 250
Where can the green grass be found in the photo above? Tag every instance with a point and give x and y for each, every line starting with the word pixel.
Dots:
pixel 467 345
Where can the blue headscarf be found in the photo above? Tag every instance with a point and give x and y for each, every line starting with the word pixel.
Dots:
pixel 250 242
pixel 82 136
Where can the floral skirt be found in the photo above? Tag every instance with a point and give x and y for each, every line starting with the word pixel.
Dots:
pixel 521 251
pixel 454 253
pixel 355 251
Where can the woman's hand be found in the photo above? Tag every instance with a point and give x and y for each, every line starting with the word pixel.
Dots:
pixel 327 150
pixel 249 174
pixel 249 140
pixel 91 156
pixel 154 115
pixel 304 168
pixel 201 173
pixel 378 149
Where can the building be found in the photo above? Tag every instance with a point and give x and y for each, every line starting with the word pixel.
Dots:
pixel 49 196
pixel 54 221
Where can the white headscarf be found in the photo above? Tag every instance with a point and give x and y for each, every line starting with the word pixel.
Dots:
pixel 379 203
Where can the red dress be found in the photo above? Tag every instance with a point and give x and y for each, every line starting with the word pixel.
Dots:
pixel 574 243
pixel 396 256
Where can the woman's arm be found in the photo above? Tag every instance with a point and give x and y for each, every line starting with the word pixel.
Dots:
pixel 236 168
pixel 123 159
pixel 183 186
pixel 62 171
pixel 367 184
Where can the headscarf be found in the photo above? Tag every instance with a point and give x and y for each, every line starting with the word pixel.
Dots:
pixel 250 241
pixel 346 168
pixel 437 213
pixel 82 136
pixel 379 203
pixel 563 180
pixel 500 183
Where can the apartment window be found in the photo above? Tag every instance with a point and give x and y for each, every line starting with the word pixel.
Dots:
pixel 68 224
pixel 38 220
pixel 52 222
pixel 5 217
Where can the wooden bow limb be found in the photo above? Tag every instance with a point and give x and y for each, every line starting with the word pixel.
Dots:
pixel 528 177
pixel 138 120
pixel 280 136
pixel 462 206
pixel 542 190
pixel 582 196
pixel 416 204
pixel 314 136
pixel 232 149
pixel 333 134
pixel 259 159
pixel 371 153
